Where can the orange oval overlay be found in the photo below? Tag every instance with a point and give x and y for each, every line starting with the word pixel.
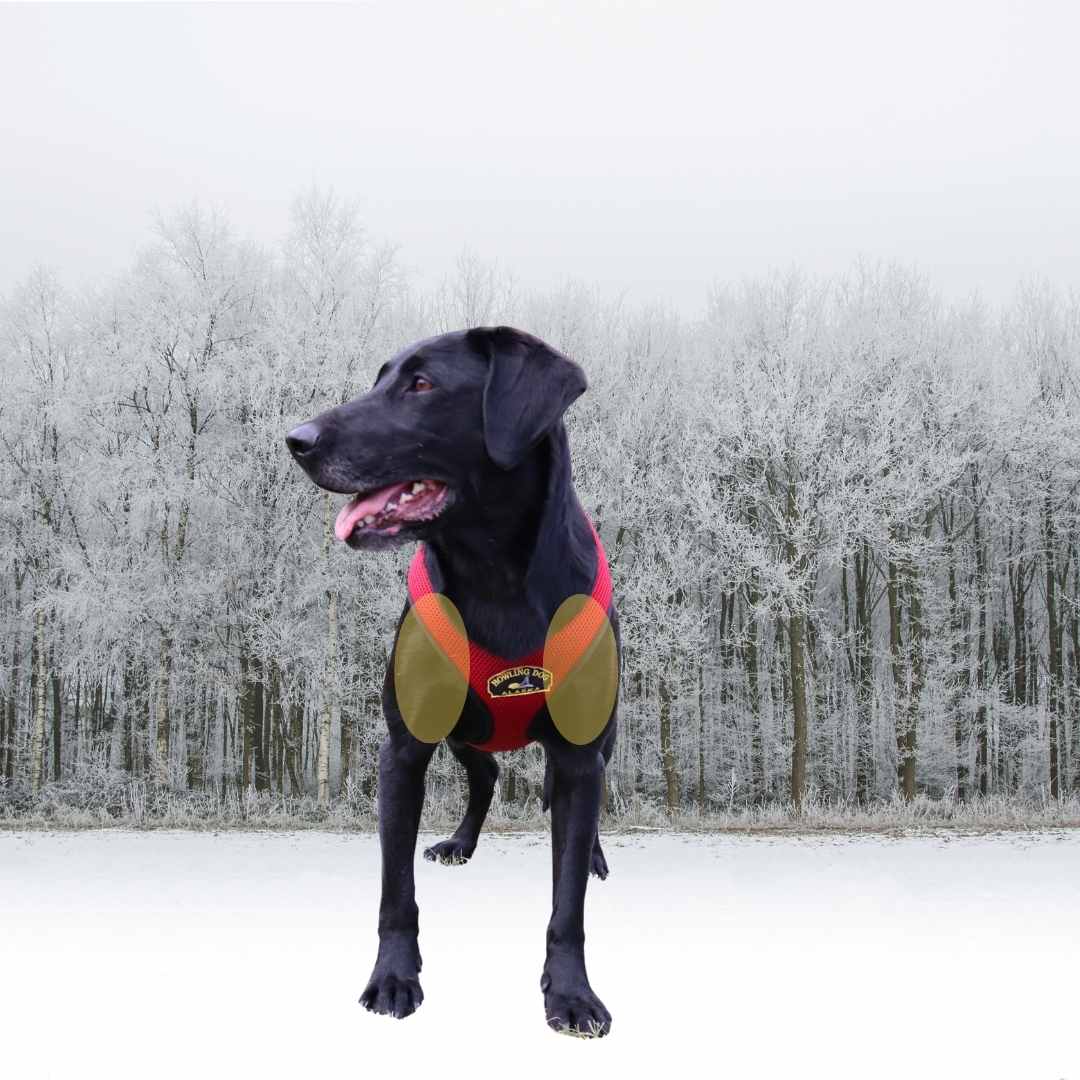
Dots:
pixel 431 667
pixel 580 653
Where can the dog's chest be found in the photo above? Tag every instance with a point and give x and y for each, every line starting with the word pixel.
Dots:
pixel 508 653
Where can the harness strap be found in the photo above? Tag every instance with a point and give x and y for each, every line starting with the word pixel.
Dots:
pixel 511 714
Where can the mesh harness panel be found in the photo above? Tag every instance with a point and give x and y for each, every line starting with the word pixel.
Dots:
pixel 511 714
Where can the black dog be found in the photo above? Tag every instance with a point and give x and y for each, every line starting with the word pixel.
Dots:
pixel 460 443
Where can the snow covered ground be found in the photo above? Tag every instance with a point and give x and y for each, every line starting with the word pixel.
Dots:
pixel 242 955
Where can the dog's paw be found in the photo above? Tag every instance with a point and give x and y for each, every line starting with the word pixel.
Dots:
pixel 449 852
pixel 392 995
pixel 575 1010
pixel 598 864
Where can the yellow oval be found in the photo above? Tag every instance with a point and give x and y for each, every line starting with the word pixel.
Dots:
pixel 580 653
pixel 431 667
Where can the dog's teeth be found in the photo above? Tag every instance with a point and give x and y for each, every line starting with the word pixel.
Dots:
pixel 418 487
pixel 369 519
pixel 405 497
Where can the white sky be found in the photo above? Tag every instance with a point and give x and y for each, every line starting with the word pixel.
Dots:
pixel 647 147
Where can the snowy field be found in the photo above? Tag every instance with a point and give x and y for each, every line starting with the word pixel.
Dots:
pixel 242 955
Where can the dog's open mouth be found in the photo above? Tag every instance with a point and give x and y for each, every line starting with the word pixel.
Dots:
pixel 387 510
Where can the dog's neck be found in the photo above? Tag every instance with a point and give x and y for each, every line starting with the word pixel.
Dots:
pixel 521 550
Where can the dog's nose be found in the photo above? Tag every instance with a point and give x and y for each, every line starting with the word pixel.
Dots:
pixel 301 441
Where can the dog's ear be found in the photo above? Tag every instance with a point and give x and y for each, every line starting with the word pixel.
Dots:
pixel 529 386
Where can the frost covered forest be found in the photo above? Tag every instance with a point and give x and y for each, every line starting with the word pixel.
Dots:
pixel 843 520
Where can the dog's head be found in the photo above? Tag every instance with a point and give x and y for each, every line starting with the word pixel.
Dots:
pixel 443 415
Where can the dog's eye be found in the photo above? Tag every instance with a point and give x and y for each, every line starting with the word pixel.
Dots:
pixel 420 383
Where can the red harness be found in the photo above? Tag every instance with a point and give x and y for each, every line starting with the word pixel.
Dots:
pixel 512 712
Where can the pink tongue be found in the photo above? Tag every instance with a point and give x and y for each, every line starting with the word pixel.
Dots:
pixel 357 509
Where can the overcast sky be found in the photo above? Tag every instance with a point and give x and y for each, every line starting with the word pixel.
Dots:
pixel 647 147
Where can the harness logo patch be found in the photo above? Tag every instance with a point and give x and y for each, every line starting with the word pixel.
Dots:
pixel 527 679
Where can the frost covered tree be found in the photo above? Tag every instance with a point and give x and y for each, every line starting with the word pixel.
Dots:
pixel 843 521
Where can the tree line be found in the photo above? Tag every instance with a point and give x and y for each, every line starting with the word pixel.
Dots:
pixel 842 518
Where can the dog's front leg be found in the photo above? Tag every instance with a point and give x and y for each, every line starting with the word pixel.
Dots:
pixel 577 781
pixel 394 986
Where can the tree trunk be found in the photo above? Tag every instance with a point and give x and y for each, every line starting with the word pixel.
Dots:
pixel 274 710
pixel 960 669
pixel 753 682
pixel 906 697
pixel 322 772
pixel 1053 633
pixel 196 755
pixel 259 727
pixel 246 715
pixel 1074 633
pixel 292 746
pixel 58 723
pixel 37 738
pixel 77 723
pixel 982 669
pixel 753 676
pixel 9 747
pixel 347 751
pixel 127 726
pixel 224 708
pixel 667 752
pixel 109 715
pixel 97 712
pixel 918 676
pixel 859 627
pixel 161 712
pixel 796 635
pixel 327 710
pixel 1018 592
pixel 701 735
